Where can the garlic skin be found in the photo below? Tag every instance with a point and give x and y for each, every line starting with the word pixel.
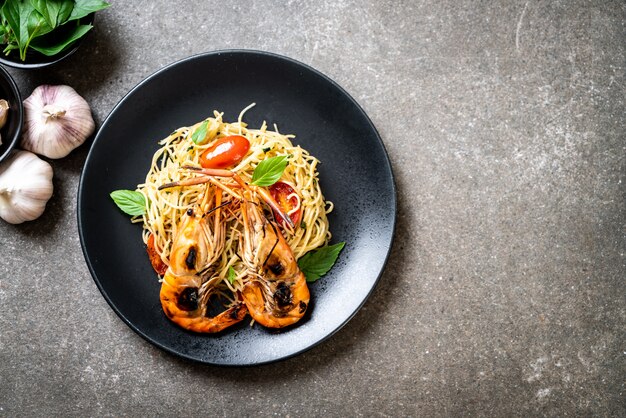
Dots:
pixel 56 120
pixel 4 112
pixel 25 187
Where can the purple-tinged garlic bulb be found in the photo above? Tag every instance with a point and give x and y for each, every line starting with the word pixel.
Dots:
pixel 25 187
pixel 56 120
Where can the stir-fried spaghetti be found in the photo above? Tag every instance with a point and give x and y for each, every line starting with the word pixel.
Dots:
pixel 166 207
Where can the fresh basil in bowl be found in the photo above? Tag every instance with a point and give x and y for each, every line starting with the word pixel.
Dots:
pixel 38 33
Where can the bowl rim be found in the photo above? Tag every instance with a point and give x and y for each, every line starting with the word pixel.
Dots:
pixel 12 142
pixel 89 19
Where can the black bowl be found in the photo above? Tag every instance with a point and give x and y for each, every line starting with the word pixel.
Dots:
pixel 36 59
pixel 12 130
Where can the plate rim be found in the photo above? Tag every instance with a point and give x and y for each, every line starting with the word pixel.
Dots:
pixel 168 67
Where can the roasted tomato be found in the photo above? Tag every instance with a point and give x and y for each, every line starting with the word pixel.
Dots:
pixel 226 152
pixel 287 199
pixel 155 259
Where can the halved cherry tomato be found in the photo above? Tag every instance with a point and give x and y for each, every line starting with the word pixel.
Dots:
pixel 280 192
pixel 226 152
pixel 155 259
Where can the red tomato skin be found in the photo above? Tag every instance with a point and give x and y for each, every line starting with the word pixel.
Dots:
pixel 279 192
pixel 155 259
pixel 225 152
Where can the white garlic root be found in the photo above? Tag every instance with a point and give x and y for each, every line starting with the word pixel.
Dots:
pixel 25 187
pixel 56 120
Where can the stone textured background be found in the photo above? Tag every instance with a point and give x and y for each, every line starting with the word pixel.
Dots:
pixel 504 294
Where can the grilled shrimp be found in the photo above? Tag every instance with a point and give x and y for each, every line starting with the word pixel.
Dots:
pixel 184 293
pixel 276 292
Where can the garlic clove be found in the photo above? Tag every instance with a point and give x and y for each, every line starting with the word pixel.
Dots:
pixel 4 113
pixel 56 120
pixel 25 187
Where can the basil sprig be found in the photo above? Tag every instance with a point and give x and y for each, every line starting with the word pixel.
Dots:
pixel 24 24
pixel 199 134
pixel 269 171
pixel 317 263
pixel 130 202
pixel 50 50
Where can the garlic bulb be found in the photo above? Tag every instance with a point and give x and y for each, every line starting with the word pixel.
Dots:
pixel 4 113
pixel 25 187
pixel 56 120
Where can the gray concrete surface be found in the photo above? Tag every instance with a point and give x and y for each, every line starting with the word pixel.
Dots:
pixel 504 294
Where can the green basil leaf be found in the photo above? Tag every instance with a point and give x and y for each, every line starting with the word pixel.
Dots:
pixel 32 24
pixel 36 23
pixel 39 25
pixel 8 37
pixel 11 10
pixel 232 276
pixel 33 19
pixel 130 202
pixel 65 10
pixel 84 7
pixel 316 263
pixel 199 135
pixel 269 171
pixel 25 22
pixel 42 8
pixel 50 10
pixel 49 50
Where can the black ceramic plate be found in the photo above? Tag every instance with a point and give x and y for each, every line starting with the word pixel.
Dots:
pixel 355 174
